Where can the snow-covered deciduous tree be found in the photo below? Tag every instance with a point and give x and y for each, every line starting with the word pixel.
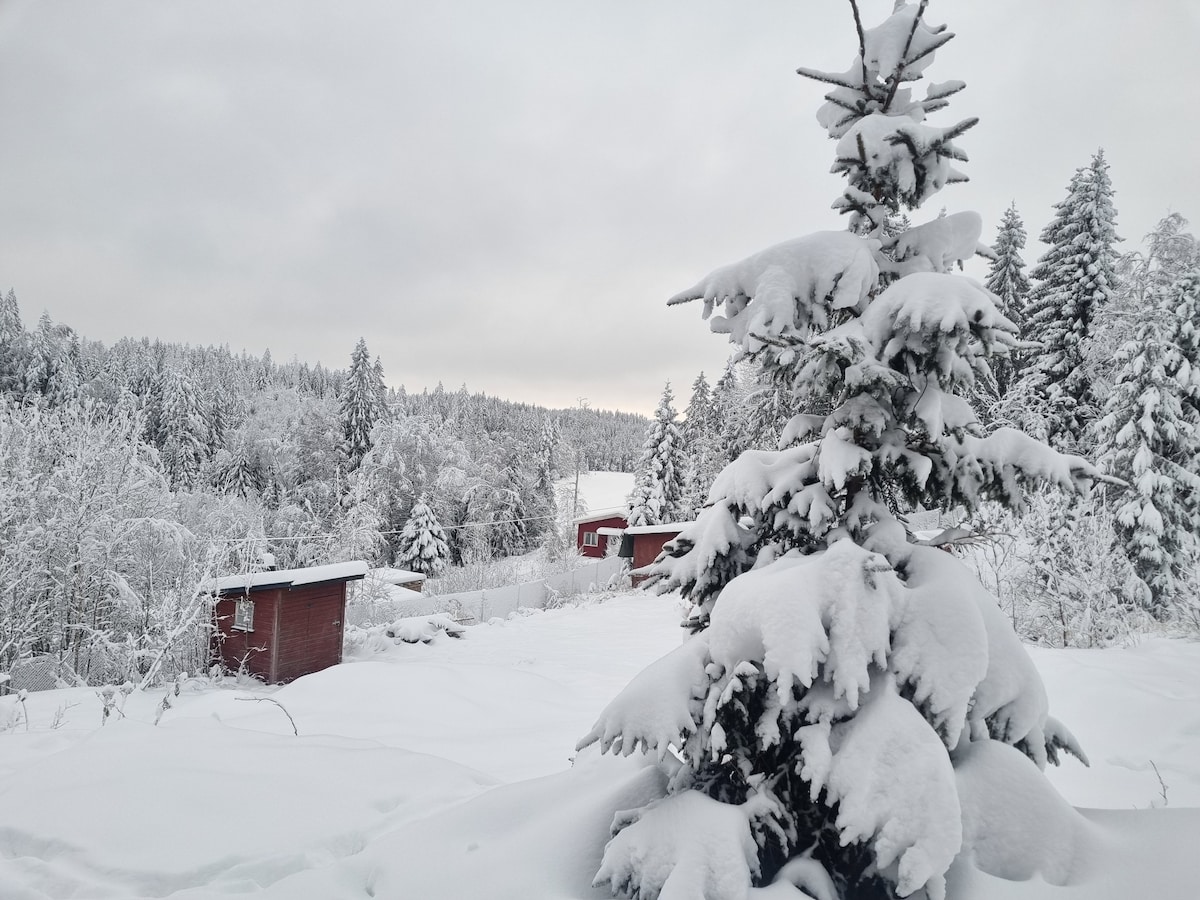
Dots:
pixel 658 487
pixel 423 546
pixel 359 404
pixel 1074 279
pixel 1007 281
pixel 1150 437
pixel 848 690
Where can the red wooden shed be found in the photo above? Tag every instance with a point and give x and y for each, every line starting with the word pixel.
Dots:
pixel 588 539
pixel 648 541
pixel 280 625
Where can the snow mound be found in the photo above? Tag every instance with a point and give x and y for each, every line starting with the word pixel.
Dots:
pixel 1016 826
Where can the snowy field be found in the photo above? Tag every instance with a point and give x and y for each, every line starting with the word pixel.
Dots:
pixel 444 771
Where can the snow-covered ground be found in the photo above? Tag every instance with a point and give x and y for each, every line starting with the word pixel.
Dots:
pixel 444 771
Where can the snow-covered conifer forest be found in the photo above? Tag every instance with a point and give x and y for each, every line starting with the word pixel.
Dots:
pixel 134 471
pixel 938 577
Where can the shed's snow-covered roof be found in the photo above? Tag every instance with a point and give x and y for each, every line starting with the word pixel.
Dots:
pixel 345 571
pixel 395 576
pixel 619 512
pixel 665 528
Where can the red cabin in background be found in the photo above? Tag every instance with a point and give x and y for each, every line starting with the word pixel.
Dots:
pixel 588 538
pixel 280 625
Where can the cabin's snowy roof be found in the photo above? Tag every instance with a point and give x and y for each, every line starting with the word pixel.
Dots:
pixel 395 576
pixel 345 571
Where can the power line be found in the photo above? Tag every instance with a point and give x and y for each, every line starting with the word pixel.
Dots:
pixel 330 536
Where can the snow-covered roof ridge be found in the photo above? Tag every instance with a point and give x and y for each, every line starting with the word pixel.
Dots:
pixel 343 571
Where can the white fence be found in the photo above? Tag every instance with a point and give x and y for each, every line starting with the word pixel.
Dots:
pixel 480 606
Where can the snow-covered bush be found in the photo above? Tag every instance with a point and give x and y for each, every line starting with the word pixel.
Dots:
pixel 408 630
pixel 1055 571
pixel 841 672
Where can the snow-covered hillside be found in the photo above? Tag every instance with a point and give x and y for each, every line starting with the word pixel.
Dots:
pixel 444 771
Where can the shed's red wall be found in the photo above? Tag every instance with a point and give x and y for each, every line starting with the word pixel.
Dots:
pixel 255 649
pixel 646 548
pixel 601 547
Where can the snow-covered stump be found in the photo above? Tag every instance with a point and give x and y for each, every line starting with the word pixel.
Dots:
pixel 852 700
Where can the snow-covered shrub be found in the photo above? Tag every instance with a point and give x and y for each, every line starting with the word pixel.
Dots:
pixel 1056 572
pixel 409 630
pixel 841 671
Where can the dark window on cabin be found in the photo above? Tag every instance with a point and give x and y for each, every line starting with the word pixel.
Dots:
pixel 591 539
pixel 243 615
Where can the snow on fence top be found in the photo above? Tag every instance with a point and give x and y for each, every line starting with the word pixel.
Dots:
pixel 395 576
pixel 344 571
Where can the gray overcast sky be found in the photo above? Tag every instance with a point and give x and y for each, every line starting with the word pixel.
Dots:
pixel 505 194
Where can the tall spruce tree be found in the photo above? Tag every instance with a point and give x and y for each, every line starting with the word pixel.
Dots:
pixel 50 374
pixel 658 483
pixel 729 404
pixel 845 678
pixel 13 345
pixel 184 430
pixel 359 404
pixel 701 434
pixel 1075 278
pixel 1007 280
pixel 1150 437
pixel 381 391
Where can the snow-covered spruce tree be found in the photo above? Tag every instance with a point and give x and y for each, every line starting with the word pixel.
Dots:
pixel 50 376
pixel 13 345
pixel 1150 437
pixel 851 696
pixel 184 431
pixel 701 435
pixel 1075 278
pixel 381 392
pixel 658 485
pixel 359 404
pixel 1007 281
pixel 423 547
pixel 729 405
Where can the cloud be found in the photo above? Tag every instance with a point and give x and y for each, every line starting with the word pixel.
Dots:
pixel 505 194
